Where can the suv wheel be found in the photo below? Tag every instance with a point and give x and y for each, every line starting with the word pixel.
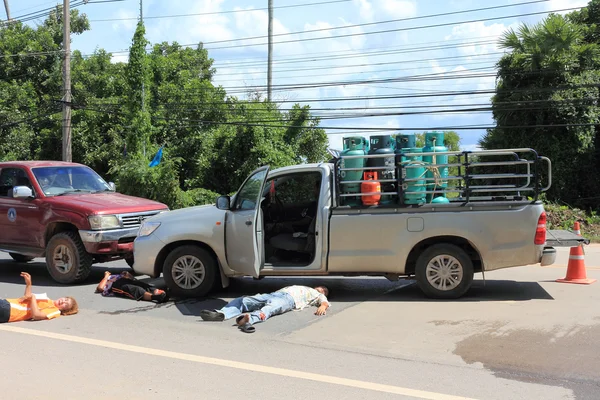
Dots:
pixel 66 258
pixel 20 257
pixel 444 271
pixel 190 271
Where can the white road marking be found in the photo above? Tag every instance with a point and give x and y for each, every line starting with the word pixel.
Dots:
pixel 377 387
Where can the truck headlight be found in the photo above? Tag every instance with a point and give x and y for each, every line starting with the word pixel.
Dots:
pixel 98 222
pixel 147 228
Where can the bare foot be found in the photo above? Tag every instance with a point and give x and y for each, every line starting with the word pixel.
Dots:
pixel 243 320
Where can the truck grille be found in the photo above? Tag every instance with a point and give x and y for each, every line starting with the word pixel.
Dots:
pixel 135 220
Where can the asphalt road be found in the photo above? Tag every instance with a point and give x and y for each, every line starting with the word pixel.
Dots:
pixel 518 336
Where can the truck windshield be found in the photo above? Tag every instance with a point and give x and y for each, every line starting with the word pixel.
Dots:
pixel 56 181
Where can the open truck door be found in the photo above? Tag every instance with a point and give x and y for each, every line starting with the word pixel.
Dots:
pixel 244 236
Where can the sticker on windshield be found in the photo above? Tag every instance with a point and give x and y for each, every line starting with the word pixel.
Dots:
pixel 12 214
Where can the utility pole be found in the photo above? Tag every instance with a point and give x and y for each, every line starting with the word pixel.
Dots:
pixel 143 89
pixel 66 127
pixel 7 10
pixel 270 59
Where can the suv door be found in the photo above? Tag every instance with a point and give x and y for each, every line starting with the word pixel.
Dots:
pixel 244 240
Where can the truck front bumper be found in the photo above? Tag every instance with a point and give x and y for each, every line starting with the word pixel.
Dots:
pixel 548 256
pixel 114 241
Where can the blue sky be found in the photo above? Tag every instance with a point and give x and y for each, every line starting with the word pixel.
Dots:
pixel 466 49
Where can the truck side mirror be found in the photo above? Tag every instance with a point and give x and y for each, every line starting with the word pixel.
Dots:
pixel 21 192
pixel 223 202
pixel 112 186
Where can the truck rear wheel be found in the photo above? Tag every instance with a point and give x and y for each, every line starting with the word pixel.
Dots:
pixel 444 271
pixel 190 271
pixel 20 257
pixel 66 258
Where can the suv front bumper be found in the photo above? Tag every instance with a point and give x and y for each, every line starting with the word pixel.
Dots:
pixel 114 241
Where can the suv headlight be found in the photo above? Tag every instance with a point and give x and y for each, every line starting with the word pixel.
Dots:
pixel 98 222
pixel 147 228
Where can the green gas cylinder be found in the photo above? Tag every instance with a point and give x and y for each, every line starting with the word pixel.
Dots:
pixel 353 146
pixel 434 142
pixel 412 168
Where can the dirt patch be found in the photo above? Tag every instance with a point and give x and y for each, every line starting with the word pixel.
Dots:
pixel 567 358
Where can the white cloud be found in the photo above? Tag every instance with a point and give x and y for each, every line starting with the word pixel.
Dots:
pixel 128 20
pixel 399 8
pixel 564 4
pixel 365 10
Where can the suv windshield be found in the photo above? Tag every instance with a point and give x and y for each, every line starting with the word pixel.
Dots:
pixel 60 180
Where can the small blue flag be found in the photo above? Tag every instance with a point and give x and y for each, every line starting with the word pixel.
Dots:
pixel 156 160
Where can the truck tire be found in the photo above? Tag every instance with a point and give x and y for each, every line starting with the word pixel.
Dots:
pixel 66 258
pixel 20 258
pixel 190 271
pixel 444 271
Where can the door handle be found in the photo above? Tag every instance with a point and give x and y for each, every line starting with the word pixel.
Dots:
pixel 248 223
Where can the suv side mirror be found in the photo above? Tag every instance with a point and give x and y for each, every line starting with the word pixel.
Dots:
pixel 21 192
pixel 112 186
pixel 223 202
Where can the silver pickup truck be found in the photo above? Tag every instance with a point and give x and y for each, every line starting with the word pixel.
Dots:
pixel 300 221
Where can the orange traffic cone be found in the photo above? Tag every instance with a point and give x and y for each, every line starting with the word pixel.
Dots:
pixel 576 267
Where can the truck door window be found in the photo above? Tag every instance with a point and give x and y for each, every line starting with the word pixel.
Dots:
pixel 248 195
pixel 298 188
pixel 11 177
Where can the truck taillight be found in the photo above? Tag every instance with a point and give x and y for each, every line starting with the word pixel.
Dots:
pixel 540 232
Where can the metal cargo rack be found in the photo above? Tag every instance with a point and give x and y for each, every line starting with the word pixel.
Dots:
pixel 478 176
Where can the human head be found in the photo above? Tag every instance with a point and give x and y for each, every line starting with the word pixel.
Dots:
pixel 126 274
pixel 67 305
pixel 322 290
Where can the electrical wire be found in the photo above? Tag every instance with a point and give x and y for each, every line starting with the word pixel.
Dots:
pixel 221 12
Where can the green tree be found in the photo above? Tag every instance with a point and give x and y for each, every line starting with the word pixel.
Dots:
pixel 31 86
pixel 137 72
pixel 550 77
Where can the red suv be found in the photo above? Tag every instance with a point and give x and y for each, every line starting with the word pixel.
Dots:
pixel 67 213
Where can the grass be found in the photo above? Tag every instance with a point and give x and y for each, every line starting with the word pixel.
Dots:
pixel 563 217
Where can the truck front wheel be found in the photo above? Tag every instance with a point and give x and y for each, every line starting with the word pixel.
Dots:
pixel 190 271
pixel 444 271
pixel 66 258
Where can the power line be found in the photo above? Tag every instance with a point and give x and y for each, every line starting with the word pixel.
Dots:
pixel 372 32
pixel 366 33
pixel 223 12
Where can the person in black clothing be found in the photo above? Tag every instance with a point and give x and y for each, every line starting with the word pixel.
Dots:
pixel 127 286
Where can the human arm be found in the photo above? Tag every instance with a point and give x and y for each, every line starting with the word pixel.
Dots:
pixel 322 310
pixel 36 314
pixel 102 284
pixel 27 279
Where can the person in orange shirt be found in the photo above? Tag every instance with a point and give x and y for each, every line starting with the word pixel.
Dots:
pixel 29 307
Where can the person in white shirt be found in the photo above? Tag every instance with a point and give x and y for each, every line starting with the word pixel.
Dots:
pixel 249 310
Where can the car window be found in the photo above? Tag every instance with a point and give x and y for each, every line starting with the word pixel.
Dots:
pixel 11 177
pixel 68 179
pixel 248 196
pixel 297 188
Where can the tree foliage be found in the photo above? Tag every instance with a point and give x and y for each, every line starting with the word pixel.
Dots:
pixel 162 97
pixel 548 82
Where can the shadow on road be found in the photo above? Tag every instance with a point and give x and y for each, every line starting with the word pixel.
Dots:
pixel 493 290
pixel 10 273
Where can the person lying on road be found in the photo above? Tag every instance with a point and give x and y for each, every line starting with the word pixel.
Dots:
pixel 35 306
pixel 258 308
pixel 127 286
